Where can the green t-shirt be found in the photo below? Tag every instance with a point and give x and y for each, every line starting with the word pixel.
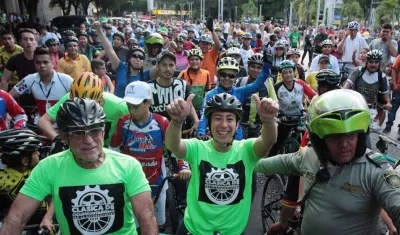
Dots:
pixel 219 193
pixel 114 108
pixel 294 38
pixel 89 201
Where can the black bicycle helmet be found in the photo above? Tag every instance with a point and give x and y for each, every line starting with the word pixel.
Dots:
pixel 80 113
pixel 133 41
pixel 226 103
pixel 69 33
pixel 374 55
pixel 329 76
pixel 14 142
pixel 51 41
pixel 131 51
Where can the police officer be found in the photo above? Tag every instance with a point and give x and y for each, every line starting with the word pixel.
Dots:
pixel 346 184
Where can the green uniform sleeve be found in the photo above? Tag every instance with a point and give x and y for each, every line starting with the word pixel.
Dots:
pixel 271 90
pixel 38 186
pixel 281 164
pixel 140 183
pixel 52 112
pixel 386 188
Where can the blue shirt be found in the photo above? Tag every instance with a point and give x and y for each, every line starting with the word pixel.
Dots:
pixel 121 80
pixel 241 93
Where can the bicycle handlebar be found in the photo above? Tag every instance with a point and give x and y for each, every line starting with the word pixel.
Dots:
pixel 386 139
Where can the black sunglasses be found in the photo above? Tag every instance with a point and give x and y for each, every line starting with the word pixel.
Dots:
pixel 229 75
pixel 136 56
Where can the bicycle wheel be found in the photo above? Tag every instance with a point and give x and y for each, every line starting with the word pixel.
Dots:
pixel 290 145
pixel 174 217
pixel 271 201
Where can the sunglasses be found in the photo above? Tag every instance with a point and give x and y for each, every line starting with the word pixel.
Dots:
pixel 229 75
pixel 136 56
pixel 81 134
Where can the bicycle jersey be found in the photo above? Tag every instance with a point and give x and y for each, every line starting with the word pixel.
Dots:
pixel 353 197
pixel 90 52
pixel 311 80
pixel 250 114
pixel 291 101
pixel 45 96
pixel 163 96
pixel 114 108
pixel 5 56
pixel 10 106
pixel 122 80
pixel 74 68
pixel 143 142
pixel 198 83
pixel 219 192
pixel 181 61
pixel 89 201
pixel 11 181
pixel 241 93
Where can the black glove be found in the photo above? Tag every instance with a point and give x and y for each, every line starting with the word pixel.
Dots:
pixel 267 58
pixel 210 24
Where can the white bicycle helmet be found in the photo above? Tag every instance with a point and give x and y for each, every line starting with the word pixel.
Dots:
pixel 234 51
pixel 353 25
pixel 228 63
pixel 256 59
pixel 327 42
pixel 374 55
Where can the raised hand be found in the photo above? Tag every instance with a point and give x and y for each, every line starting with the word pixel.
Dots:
pixel 179 109
pixel 267 108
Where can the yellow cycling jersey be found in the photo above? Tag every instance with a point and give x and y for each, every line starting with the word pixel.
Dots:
pixel 312 81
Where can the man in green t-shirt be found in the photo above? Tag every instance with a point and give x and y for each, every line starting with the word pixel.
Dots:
pixel 94 190
pixel 88 85
pixel 294 38
pixel 220 187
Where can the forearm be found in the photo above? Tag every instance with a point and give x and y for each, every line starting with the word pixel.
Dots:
pixel 12 225
pixel 50 211
pixel 392 49
pixel 340 46
pixel 45 125
pixel 386 219
pixel 173 139
pixel 104 41
pixel 215 39
pixel 148 224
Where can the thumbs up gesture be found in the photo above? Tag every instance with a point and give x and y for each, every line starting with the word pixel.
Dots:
pixel 179 109
pixel 267 108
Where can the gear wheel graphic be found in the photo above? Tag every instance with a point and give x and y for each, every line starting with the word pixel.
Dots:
pixel 93 221
pixel 221 187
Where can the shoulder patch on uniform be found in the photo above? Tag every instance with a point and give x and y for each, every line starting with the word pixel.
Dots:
pixel 376 158
pixel 392 178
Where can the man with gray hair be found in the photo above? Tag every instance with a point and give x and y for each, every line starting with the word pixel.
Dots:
pixel 319 38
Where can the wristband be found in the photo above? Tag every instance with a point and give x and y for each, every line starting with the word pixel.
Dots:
pixel 57 139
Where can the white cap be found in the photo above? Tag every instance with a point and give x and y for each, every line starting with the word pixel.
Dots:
pixel 136 92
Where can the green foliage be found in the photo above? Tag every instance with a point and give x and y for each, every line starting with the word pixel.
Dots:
pixel 352 9
pixel 249 9
pixel 384 11
pixel 305 10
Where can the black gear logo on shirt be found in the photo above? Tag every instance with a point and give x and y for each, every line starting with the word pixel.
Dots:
pixel 222 186
pixel 93 210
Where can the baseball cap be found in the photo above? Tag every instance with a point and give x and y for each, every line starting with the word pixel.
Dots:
pixel 324 58
pixel 164 54
pixel 136 92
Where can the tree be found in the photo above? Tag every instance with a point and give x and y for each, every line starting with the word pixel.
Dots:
pixel 65 5
pixel 85 5
pixel 31 6
pixel 352 9
pixel 305 10
pixel 385 10
pixel 249 9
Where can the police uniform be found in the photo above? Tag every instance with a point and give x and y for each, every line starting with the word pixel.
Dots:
pixel 351 201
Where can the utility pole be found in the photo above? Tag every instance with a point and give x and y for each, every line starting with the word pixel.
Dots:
pixel 291 14
pixel 318 10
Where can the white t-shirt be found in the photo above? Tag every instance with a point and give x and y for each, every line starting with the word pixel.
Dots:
pixel 334 64
pixel 350 44
pixel 45 96
pixel 246 55
pixel 227 26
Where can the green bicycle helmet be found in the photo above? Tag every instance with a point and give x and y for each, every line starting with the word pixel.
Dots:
pixel 228 63
pixel 247 36
pixel 181 38
pixel 233 44
pixel 286 64
pixel 155 38
pixel 329 76
pixel 335 112
pixel 195 52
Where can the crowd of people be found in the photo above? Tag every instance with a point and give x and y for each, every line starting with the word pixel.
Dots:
pixel 122 97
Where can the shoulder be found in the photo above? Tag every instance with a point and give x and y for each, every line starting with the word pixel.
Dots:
pixel 112 99
pixel 377 159
pixel 119 159
pixel 19 48
pixel 64 76
pixel 15 57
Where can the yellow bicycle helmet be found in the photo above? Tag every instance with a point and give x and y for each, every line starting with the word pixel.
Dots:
pixel 228 63
pixel 87 85
pixel 195 52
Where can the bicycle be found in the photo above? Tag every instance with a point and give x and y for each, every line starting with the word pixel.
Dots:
pixel 35 229
pixel 275 184
pixel 383 145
